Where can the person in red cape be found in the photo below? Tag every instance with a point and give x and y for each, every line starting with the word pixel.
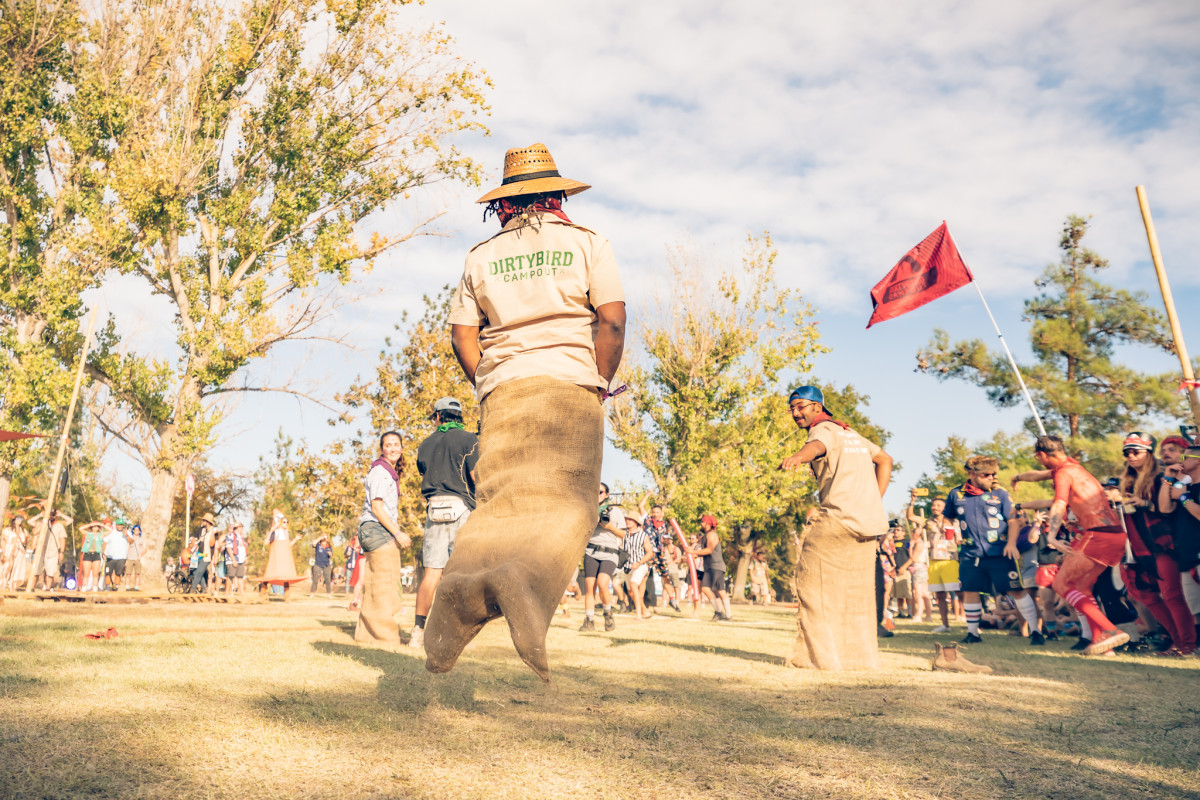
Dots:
pixel 835 578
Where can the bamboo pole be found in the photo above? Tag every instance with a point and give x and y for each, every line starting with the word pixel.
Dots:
pixel 1169 302
pixel 47 530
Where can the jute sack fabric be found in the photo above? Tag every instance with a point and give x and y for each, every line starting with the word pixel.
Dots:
pixel 541 442
pixel 377 622
pixel 835 585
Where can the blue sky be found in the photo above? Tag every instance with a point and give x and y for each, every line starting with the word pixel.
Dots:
pixel 849 131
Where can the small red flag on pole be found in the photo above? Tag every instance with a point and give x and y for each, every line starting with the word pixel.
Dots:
pixel 931 269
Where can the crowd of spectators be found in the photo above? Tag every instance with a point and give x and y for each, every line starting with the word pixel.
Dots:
pixel 1153 595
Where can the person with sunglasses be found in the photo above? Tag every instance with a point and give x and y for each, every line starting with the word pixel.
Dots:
pixel 1153 577
pixel 989 561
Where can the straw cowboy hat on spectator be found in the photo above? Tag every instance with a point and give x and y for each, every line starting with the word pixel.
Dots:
pixel 531 170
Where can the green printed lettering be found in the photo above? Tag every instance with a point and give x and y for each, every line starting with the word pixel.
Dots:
pixel 568 257
pixel 508 265
pixel 556 259
pixel 493 267
pixel 541 257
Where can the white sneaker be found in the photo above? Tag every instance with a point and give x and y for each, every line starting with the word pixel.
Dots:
pixel 417 640
pixel 942 629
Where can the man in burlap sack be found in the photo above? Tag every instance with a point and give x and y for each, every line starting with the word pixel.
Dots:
pixel 381 539
pixel 835 621
pixel 538 325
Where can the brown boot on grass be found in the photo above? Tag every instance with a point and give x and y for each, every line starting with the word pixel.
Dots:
pixel 949 658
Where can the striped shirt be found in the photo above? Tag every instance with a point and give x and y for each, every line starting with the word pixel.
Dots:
pixel 635 544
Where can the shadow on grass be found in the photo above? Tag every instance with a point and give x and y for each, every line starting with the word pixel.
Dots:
pixel 797 737
pixel 716 650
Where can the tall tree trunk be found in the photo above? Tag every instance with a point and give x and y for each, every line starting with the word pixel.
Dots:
pixel 743 536
pixel 164 486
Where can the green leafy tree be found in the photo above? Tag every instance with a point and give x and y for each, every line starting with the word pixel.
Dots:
pixel 706 414
pixel 408 380
pixel 1077 323
pixel 57 119
pixel 278 129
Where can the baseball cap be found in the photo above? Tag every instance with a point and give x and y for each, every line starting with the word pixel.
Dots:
pixel 1178 441
pixel 811 393
pixel 448 404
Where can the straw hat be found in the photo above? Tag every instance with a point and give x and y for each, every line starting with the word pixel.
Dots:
pixel 530 170
pixel 209 519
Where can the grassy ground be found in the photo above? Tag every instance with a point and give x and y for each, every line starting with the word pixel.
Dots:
pixel 275 701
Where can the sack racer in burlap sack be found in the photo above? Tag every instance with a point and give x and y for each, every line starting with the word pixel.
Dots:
pixel 538 325
pixel 835 582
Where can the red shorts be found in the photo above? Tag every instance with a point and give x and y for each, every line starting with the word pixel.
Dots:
pixel 1103 547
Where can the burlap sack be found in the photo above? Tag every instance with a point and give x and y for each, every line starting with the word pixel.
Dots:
pixel 835 586
pixel 540 445
pixel 377 622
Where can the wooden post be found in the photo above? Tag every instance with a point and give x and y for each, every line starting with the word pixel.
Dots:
pixel 1169 302
pixel 47 532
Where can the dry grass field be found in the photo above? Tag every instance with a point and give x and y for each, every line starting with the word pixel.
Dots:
pixel 276 701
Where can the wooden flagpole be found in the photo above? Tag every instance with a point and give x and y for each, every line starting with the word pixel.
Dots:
pixel 1012 361
pixel 1169 302
pixel 47 531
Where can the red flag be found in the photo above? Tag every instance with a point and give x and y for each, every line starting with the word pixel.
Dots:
pixel 8 436
pixel 928 271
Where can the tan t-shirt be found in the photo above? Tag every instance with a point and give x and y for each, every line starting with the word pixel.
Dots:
pixel 533 290
pixel 846 480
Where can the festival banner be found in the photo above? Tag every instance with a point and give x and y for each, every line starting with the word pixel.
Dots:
pixel 928 271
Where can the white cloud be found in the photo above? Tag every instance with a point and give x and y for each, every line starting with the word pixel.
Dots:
pixel 849 131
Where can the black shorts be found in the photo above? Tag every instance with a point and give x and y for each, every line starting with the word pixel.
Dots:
pixel 989 575
pixel 91 556
pixel 115 566
pixel 714 579
pixel 593 567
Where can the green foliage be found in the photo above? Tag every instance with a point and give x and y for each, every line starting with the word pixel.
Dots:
pixel 1077 322
pixel 706 414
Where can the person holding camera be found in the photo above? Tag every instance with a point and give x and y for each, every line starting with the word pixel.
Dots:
pixel 446 461
pixel 601 559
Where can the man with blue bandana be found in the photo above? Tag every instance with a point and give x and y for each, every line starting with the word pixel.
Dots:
pixel 835 583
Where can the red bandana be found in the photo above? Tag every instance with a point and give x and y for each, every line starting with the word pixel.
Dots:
pixel 507 209
pixel 971 489
pixel 824 417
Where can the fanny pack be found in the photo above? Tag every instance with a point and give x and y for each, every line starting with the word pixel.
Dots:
pixel 622 554
pixel 445 508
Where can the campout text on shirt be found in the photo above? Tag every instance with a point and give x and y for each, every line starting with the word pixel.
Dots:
pixel 533 290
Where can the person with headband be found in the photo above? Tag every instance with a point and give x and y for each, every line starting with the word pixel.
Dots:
pixel 1153 578
pixel 835 580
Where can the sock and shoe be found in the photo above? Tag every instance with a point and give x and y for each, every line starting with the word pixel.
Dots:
pixel 942 629
pixel 417 640
pixel 974 612
pixel 949 658
pixel 884 633
pixel 589 620
pixel 1028 610
pixel 609 622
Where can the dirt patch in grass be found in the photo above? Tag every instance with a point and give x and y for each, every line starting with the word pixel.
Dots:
pixel 277 701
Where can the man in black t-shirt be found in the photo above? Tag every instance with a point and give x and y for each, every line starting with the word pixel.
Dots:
pixel 446 461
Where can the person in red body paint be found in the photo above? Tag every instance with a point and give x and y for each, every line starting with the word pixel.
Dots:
pixel 1101 544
